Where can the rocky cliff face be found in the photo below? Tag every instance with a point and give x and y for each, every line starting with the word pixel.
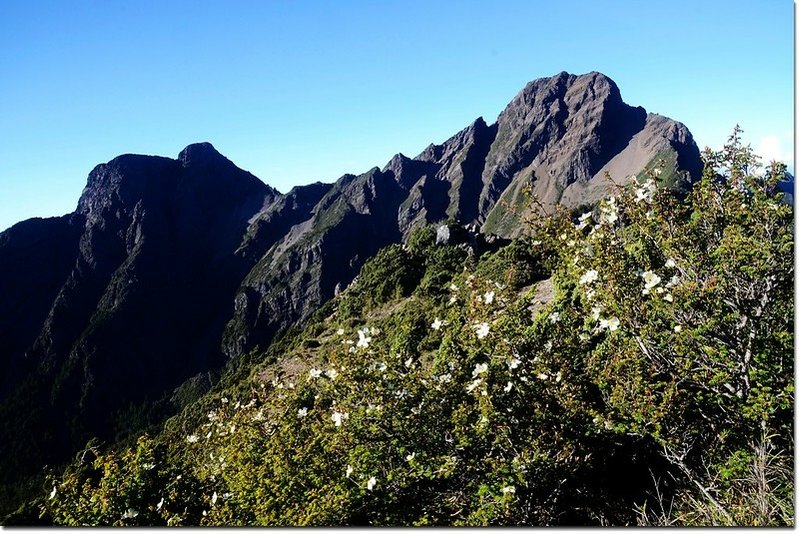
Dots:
pixel 561 136
pixel 168 267
pixel 109 308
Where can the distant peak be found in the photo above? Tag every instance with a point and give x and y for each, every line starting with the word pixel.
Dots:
pixel 566 79
pixel 396 163
pixel 478 123
pixel 200 153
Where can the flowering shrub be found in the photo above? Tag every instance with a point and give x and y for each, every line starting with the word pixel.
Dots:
pixel 639 390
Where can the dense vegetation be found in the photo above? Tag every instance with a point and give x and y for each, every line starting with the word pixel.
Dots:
pixel 632 364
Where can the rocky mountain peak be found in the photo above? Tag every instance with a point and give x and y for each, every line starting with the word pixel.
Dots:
pixel 123 181
pixel 201 154
pixel 396 163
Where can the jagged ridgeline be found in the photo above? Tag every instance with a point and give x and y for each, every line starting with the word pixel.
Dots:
pixel 487 371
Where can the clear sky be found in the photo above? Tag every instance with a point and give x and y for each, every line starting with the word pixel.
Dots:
pixel 300 91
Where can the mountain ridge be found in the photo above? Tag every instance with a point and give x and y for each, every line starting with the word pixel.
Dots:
pixel 171 267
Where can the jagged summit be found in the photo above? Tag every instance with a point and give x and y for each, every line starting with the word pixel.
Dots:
pixel 201 154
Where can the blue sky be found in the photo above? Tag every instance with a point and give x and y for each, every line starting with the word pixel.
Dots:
pixel 300 91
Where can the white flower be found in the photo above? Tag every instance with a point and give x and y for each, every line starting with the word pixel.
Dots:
pixel 438 323
pixel 453 299
pixel 340 417
pixel 331 374
pixel 52 493
pixel 192 438
pixel 446 377
pixel 646 191
pixel 590 276
pixel 473 385
pixel 370 484
pixel 315 373
pixel 610 324
pixel 349 471
pixel 595 311
pixel 608 212
pixel 668 297
pixel 409 362
pixel 214 497
pixel 508 387
pixel 159 505
pixel 489 297
pixel 302 412
pixel 453 287
pixel 410 457
pixel 224 400
pixel 340 332
pixel 363 339
pixel 554 317
pixel 585 219
pixel 212 416
pixel 508 489
pixel 673 281
pixel 543 376
pixel 657 171
pixel 479 369
pixel 514 363
pixel 670 263
pixel 130 513
pixel 650 280
pixel 481 329
pixel 678 328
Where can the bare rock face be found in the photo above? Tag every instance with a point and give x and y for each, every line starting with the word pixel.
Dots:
pixel 562 136
pixel 38 255
pixel 559 136
pixel 124 299
pixel 170 267
pixel 302 269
